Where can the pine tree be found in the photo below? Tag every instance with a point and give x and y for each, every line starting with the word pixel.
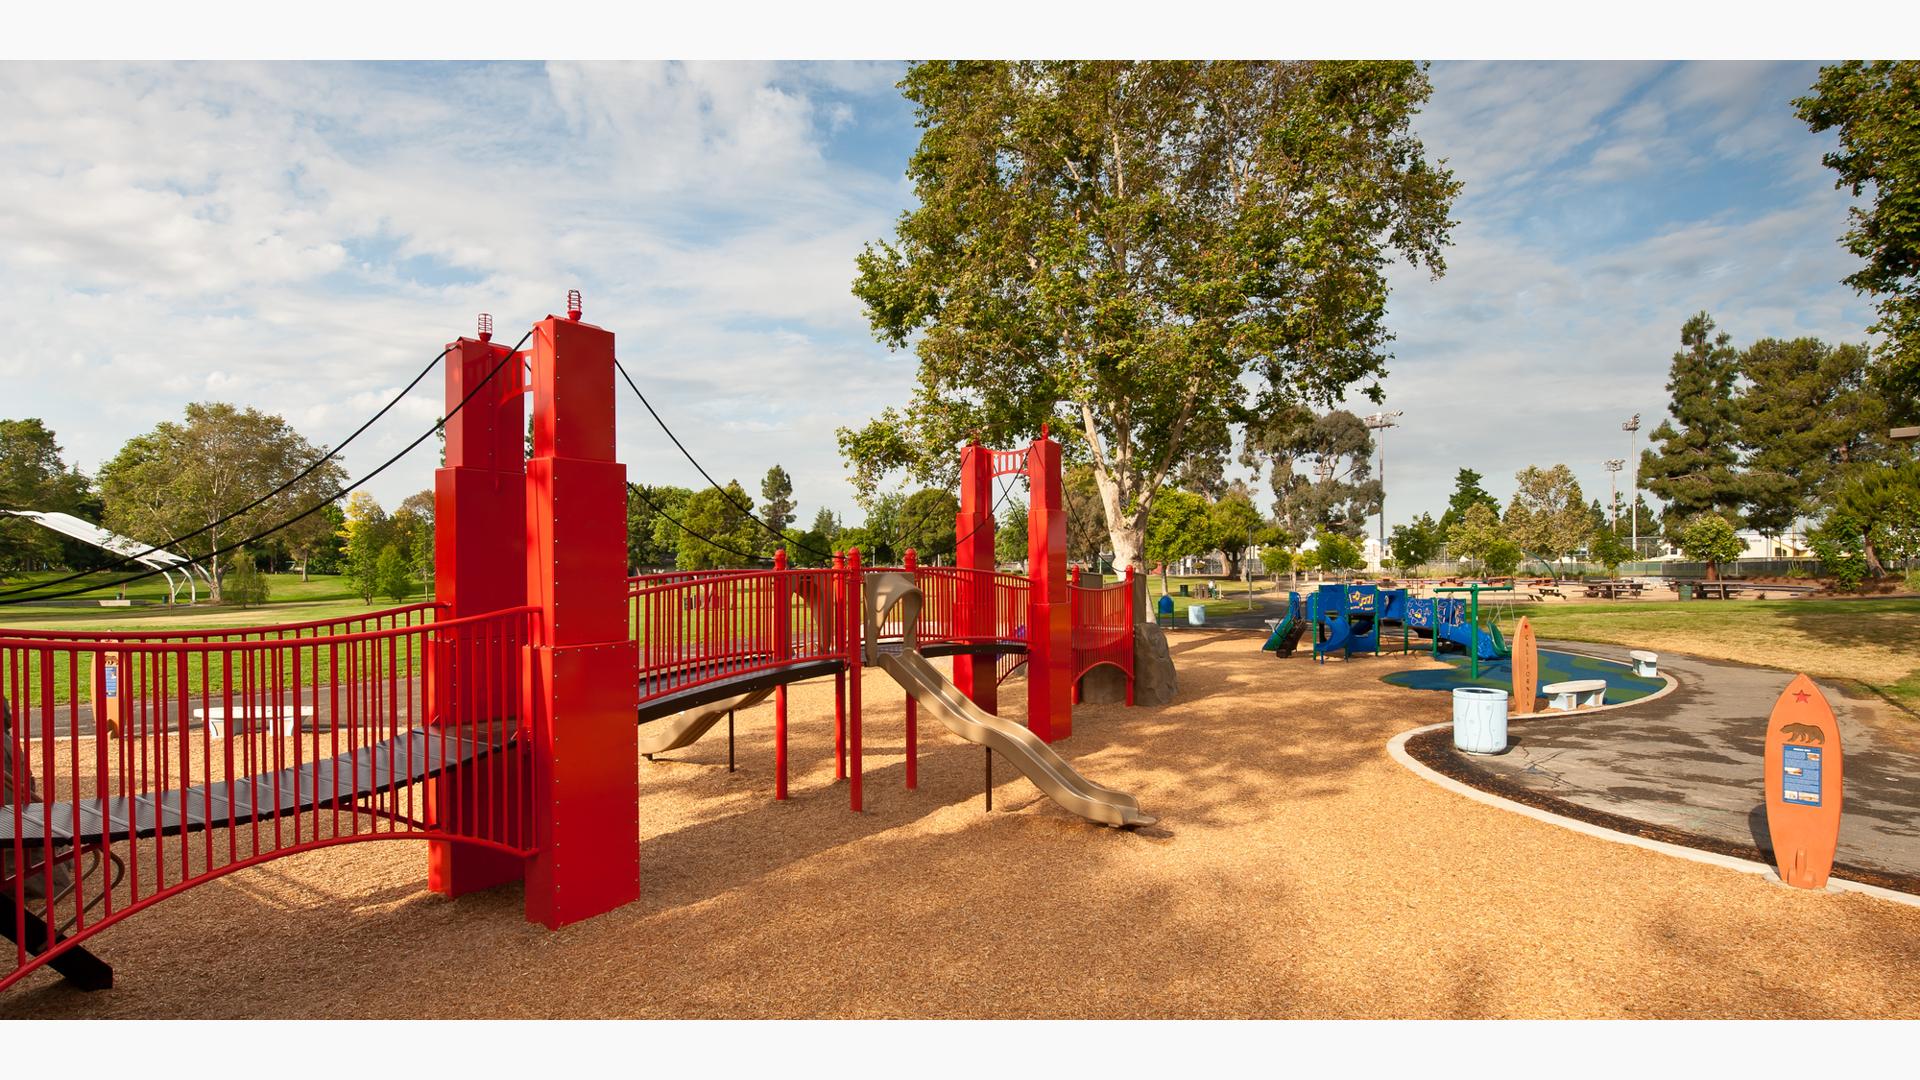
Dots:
pixel 776 489
pixel 1467 493
pixel 1692 464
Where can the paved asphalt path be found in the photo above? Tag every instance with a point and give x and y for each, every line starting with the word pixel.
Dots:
pixel 1693 760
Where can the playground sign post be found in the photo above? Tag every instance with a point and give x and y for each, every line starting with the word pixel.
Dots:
pixel 1803 784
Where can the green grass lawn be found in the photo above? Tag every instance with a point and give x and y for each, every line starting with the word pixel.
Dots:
pixel 289 600
pixel 1869 642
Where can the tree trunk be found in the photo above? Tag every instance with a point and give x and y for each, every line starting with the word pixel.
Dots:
pixel 1872 556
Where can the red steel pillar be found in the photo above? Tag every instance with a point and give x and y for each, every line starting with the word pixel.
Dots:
pixel 840 677
pixel 1132 664
pixel 973 606
pixel 856 622
pixel 480 567
pixel 913 707
pixel 782 652
pixel 583 676
pixel 1049 609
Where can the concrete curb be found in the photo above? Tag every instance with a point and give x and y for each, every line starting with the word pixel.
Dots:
pixel 1397 749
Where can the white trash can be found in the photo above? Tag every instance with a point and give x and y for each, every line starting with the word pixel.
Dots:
pixel 1480 719
pixel 1197 615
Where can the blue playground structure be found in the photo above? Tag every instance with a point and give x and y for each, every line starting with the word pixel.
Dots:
pixel 1455 627
pixel 1345 618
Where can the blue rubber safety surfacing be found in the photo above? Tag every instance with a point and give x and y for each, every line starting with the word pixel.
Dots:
pixel 1622 684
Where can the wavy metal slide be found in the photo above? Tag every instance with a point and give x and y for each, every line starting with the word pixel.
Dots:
pixel 1039 762
pixel 685 728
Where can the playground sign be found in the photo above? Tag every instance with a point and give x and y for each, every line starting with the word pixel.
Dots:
pixel 1803 784
pixel 1526 668
pixel 106 690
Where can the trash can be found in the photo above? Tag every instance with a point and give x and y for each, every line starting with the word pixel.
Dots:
pixel 1166 610
pixel 1480 719
pixel 1685 590
pixel 1186 589
pixel 1197 615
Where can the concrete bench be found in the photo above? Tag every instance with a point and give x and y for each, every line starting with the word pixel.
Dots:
pixel 1575 693
pixel 1645 663
pixel 288 719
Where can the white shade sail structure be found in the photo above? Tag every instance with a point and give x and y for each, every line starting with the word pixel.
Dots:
pixel 169 564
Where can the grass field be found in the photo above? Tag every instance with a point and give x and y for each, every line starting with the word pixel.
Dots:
pixel 290 600
pixel 1870 642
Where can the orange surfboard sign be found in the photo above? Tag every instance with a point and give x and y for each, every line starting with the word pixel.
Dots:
pixel 1803 784
pixel 1526 667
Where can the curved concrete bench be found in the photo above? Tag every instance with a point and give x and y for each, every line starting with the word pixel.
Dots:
pixel 1574 693
pixel 1645 663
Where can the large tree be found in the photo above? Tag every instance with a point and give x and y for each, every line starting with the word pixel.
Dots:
pixel 1149 247
pixel 653 542
pixel 33 477
pixel 1234 525
pixel 1874 107
pixel 1467 493
pixel 1178 528
pixel 1807 419
pixel 1548 516
pixel 718 532
pixel 203 474
pixel 1338 491
pixel 1693 462
pixel 776 505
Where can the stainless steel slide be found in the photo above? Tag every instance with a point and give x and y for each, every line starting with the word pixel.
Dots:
pixel 686 728
pixel 1041 764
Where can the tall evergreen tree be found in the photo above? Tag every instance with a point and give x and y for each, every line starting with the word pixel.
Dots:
pixel 776 494
pixel 1693 462
pixel 1467 493
pixel 1807 419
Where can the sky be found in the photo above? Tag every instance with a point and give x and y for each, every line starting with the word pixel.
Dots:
pixel 303 238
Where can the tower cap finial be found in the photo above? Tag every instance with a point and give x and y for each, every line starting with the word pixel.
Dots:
pixel 573 304
pixel 486 327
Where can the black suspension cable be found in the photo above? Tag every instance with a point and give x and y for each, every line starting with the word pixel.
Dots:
pixel 689 530
pixel 747 510
pixel 210 526
pixel 213 556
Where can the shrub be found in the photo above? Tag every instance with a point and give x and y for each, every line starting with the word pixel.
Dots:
pixel 394 577
pixel 243 583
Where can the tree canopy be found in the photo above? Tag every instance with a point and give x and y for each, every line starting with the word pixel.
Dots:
pixel 1548 516
pixel 1692 464
pixel 1874 108
pixel 1339 492
pixel 776 501
pixel 1806 419
pixel 33 477
pixel 186 476
pixel 1467 492
pixel 1156 248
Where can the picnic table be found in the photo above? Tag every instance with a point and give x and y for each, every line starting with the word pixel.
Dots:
pixel 1716 590
pixel 1614 590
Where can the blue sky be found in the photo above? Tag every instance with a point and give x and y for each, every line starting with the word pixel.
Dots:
pixel 303 237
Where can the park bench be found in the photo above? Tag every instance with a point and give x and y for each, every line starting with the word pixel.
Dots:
pixel 1575 694
pixel 1645 663
pixel 287 719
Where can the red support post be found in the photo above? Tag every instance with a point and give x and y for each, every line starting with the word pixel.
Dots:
pixel 782 652
pixel 973 606
pixel 913 712
pixel 1073 620
pixel 1049 614
pixel 1132 620
pixel 840 677
pixel 584 670
pixel 856 637
pixel 481 567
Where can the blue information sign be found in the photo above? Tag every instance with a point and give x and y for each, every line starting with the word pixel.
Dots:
pixel 1800 775
pixel 113 680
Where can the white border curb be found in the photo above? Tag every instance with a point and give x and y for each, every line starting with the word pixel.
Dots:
pixel 1397 749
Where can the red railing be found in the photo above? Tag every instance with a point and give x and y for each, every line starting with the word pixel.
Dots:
pixel 1102 625
pixel 139 766
pixel 385 619
pixel 694 629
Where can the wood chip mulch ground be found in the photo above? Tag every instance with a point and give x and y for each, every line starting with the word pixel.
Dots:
pixel 1297 871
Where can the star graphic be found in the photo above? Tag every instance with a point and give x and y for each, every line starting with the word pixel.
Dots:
pixel 1801 695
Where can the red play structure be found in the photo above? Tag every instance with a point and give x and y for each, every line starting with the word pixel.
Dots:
pixel 499 722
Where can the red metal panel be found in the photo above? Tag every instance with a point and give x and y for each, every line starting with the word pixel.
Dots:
pixel 973 615
pixel 1050 619
pixel 586 783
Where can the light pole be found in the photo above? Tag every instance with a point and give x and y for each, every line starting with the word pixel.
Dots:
pixel 1632 428
pixel 1379 422
pixel 1613 494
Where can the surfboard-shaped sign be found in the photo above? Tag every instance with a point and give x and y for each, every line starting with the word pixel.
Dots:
pixel 1803 784
pixel 1526 668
